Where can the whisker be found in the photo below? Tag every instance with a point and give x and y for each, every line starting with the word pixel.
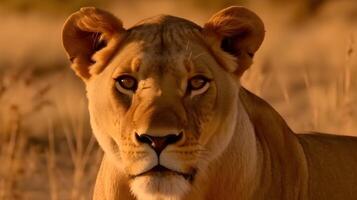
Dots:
pixel 199 55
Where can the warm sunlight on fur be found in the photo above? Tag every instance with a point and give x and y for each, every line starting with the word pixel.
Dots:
pixel 167 108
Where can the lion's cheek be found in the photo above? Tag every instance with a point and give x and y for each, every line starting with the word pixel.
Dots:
pixel 218 133
pixel 106 142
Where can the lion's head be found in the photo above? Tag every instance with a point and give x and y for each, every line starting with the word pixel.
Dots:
pixel 162 94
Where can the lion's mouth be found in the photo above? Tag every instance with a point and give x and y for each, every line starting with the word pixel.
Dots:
pixel 160 170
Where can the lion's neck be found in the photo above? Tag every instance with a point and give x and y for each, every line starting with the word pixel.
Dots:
pixel 244 151
pixel 280 155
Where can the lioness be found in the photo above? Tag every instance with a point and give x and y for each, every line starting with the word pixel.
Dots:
pixel 167 107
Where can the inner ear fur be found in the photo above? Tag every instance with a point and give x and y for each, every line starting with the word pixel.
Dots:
pixel 237 31
pixel 90 36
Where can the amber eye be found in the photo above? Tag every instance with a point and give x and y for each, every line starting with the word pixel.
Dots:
pixel 198 82
pixel 126 83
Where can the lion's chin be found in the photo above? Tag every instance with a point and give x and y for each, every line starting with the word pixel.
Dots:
pixel 160 186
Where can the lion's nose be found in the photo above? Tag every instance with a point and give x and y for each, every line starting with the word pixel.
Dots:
pixel 158 143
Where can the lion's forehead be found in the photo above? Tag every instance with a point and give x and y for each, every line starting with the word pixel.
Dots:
pixel 165 34
pixel 164 44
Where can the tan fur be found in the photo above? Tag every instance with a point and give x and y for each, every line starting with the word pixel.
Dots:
pixel 234 144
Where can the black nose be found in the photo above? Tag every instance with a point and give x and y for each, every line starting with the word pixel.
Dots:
pixel 158 143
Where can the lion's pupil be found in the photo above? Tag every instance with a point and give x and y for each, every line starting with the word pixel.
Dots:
pixel 197 83
pixel 128 83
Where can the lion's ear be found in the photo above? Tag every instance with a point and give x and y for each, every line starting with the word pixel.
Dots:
pixel 90 37
pixel 239 32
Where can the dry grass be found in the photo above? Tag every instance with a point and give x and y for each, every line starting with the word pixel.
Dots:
pixel 306 69
pixel 70 159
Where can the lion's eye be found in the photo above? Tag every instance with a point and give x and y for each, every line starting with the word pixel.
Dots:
pixel 126 83
pixel 198 84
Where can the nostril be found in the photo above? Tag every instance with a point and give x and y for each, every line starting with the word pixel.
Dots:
pixel 144 138
pixel 172 138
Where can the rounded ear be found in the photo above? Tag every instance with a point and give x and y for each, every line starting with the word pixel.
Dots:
pixel 90 36
pixel 237 31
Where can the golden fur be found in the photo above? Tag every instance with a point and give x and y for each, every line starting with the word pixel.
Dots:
pixel 233 145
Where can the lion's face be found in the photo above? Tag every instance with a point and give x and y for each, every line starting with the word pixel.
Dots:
pixel 164 104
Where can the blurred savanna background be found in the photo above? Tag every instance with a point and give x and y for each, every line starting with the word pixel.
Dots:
pixel 306 68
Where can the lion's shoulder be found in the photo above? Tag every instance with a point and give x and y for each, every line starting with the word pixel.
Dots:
pixel 317 144
pixel 332 163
